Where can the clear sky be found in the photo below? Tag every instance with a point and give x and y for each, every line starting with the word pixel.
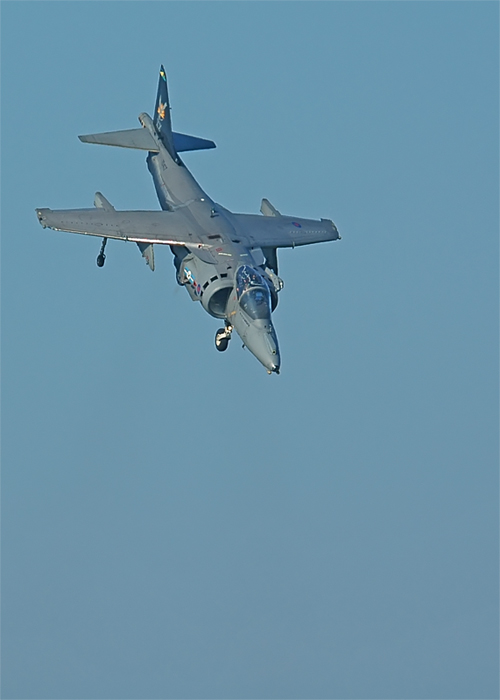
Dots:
pixel 176 523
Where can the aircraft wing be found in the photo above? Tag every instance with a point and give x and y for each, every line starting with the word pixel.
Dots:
pixel 283 231
pixel 164 227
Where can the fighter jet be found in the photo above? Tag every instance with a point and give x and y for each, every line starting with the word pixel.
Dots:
pixel 228 262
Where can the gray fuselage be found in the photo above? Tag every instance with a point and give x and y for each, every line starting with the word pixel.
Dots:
pixel 209 273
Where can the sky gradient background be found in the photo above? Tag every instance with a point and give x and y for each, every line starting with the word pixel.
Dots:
pixel 176 523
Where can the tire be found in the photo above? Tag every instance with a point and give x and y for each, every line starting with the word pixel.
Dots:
pixel 221 340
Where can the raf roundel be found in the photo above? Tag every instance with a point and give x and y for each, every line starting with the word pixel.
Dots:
pixel 296 224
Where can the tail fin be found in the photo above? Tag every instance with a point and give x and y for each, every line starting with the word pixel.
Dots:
pixel 161 118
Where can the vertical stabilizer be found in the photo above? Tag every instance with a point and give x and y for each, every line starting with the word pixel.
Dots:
pixel 162 119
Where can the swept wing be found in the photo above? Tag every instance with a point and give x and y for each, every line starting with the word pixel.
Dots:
pixel 283 231
pixel 165 227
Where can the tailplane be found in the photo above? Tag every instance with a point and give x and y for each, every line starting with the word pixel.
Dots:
pixel 142 140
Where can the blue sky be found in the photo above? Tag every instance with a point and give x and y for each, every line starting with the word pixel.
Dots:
pixel 175 523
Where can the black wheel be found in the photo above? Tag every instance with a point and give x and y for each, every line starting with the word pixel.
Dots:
pixel 221 340
pixel 100 260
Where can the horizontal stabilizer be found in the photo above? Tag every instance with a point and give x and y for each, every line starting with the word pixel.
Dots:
pixel 183 142
pixel 142 140
pixel 130 138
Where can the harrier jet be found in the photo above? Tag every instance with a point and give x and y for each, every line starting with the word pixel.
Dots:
pixel 228 262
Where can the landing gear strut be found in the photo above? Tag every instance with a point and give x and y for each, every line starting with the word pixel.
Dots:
pixel 222 338
pixel 101 257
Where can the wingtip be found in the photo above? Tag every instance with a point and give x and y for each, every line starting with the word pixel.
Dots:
pixel 40 213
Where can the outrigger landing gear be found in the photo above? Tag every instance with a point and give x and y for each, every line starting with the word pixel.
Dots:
pixel 101 257
pixel 222 338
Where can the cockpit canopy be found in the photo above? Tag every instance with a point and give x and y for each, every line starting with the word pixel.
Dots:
pixel 253 293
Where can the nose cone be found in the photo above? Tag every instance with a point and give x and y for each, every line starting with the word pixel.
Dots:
pixel 262 342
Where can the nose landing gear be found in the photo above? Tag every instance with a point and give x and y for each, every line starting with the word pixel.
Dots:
pixel 222 338
pixel 101 258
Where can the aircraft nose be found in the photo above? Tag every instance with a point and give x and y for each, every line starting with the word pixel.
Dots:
pixel 274 353
pixel 262 342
